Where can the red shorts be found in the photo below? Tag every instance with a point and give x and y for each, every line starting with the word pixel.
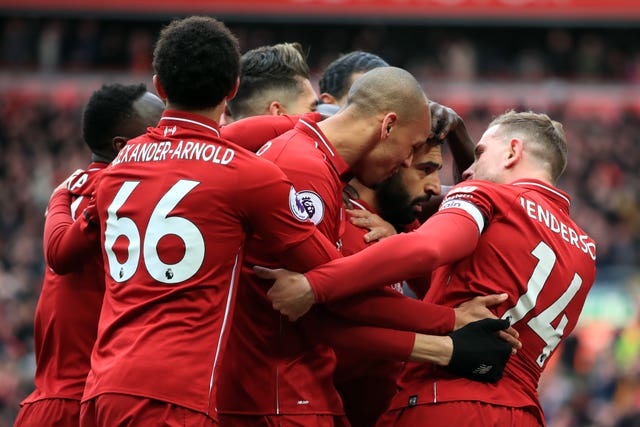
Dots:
pixel 111 409
pixel 459 414
pixel 228 420
pixel 49 413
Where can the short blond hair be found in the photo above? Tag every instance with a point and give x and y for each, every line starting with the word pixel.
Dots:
pixel 545 138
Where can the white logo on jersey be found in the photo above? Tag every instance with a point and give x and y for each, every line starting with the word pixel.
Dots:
pixel 463 189
pixel 170 130
pixel 296 206
pixel 264 148
pixel 313 204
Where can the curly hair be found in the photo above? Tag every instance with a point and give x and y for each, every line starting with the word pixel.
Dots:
pixel 336 79
pixel 269 71
pixel 196 60
pixel 108 108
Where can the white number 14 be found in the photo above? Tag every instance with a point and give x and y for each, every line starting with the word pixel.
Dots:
pixel 541 324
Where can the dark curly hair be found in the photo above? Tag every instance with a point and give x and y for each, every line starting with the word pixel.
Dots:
pixel 108 108
pixel 336 78
pixel 196 60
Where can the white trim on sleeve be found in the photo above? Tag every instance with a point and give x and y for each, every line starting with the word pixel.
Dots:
pixel 469 208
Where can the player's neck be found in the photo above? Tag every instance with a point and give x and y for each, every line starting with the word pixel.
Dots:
pixel 101 158
pixel 530 174
pixel 364 193
pixel 351 136
pixel 210 113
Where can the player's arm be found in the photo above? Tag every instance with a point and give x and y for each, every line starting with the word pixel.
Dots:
pixel 445 238
pixel 311 252
pixel 448 127
pixel 66 241
pixel 479 344
pixel 387 308
pixel 252 133
pixel 277 216
pixel 321 326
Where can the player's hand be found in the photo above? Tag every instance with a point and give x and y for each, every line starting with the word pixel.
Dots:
pixel 477 309
pixel 478 352
pixel 64 185
pixel 443 121
pixel 91 213
pixel 291 293
pixel 378 227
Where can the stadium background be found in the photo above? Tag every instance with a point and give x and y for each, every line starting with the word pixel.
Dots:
pixel 577 60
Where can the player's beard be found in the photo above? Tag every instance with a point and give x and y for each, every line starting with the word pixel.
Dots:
pixel 394 201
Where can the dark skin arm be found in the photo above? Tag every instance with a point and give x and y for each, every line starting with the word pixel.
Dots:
pixel 447 127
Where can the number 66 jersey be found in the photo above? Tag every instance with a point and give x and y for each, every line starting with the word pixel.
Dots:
pixel 174 209
pixel 529 248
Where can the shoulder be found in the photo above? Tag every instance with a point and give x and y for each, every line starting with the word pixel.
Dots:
pixel 483 192
pixel 480 199
pixel 84 182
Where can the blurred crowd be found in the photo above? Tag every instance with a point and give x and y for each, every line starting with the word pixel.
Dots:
pixel 590 384
pixel 437 50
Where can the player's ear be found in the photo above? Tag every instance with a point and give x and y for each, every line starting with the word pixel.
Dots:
pixel 276 109
pixel 326 98
pixel 159 88
pixel 234 91
pixel 514 154
pixel 388 122
pixel 118 143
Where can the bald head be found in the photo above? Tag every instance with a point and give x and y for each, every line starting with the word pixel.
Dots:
pixel 386 89
pixel 388 115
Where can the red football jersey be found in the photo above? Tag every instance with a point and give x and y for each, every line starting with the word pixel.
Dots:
pixel 350 364
pixel 174 208
pixel 66 318
pixel 253 132
pixel 532 250
pixel 274 352
pixel 269 367
pixel 366 384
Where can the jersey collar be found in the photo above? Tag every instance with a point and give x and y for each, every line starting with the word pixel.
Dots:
pixel 183 119
pixel 312 130
pixel 552 192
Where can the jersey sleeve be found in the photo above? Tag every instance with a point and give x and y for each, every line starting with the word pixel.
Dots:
pixel 375 342
pixel 387 308
pixel 253 132
pixel 276 214
pixel 65 241
pixel 311 252
pixel 448 236
pixel 443 239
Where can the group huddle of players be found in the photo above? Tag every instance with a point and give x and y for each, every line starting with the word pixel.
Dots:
pixel 171 297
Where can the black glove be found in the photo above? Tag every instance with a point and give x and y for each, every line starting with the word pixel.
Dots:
pixel 478 352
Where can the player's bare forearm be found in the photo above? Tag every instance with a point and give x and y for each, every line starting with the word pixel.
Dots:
pixel 431 348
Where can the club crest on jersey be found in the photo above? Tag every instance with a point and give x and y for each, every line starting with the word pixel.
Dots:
pixel 312 204
pixel 296 206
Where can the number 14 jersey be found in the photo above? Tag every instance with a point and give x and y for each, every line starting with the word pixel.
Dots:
pixel 529 248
